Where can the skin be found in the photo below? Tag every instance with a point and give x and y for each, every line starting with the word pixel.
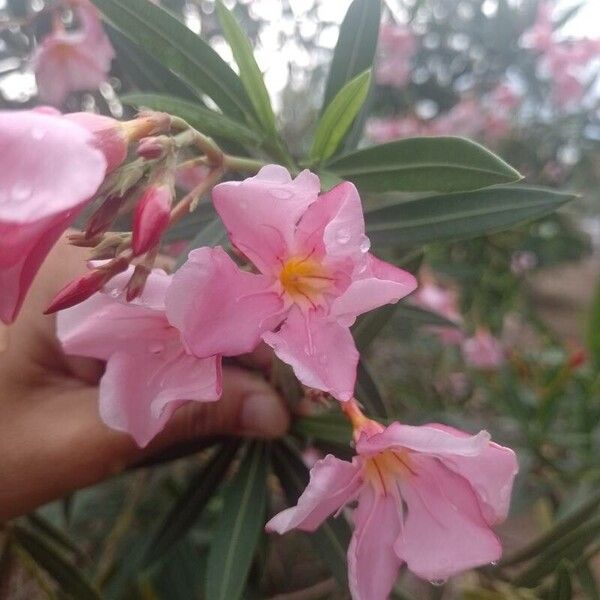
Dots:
pixel 52 441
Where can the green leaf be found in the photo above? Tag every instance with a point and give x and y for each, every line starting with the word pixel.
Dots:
pixel 144 72
pixel 69 578
pixel 338 117
pixel 330 427
pixel 367 392
pixel 203 119
pixel 442 164
pixel 593 329
pixel 236 536
pixel 179 49
pixel 56 535
pixel 460 215
pixel 189 506
pixel 422 316
pixel 331 539
pixel 562 589
pixel 368 326
pixel 355 48
pixel 250 74
pixel 588 582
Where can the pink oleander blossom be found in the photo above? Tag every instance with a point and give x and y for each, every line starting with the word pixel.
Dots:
pixel 427 497
pixel 70 61
pixel 483 351
pixel 397 44
pixel 315 276
pixel 149 373
pixel 51 168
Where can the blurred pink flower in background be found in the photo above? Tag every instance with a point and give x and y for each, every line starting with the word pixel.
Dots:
pixel 149 373
pixel 483 350
pixel 427 497
pixel 540 35
pixel 396 47
pixel 51 170
pixel 315 276
pixel 71 61
pixel 190 177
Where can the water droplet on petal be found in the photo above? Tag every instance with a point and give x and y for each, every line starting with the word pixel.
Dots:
pixel 365 245
pixel 20 192
pixel 156 348
pixel 494 563
pixel 437 582
pixel 114 293
pixel 37 133
pixel 343 236
pixel 282 193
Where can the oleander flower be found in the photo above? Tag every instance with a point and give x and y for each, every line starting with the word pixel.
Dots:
pixel 71 61
pixel 149 373
pixel 51 169
pixel 483 350
pixel 315 276
pixel 427 497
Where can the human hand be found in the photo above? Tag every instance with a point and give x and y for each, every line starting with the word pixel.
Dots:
pixel 52 440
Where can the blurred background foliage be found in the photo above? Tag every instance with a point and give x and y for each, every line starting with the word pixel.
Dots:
pixel 486 69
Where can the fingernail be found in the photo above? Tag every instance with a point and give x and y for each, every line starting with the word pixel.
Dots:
pixel 263 415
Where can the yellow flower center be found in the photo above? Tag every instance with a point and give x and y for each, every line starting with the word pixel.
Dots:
pixel 304 279
pixel 384 469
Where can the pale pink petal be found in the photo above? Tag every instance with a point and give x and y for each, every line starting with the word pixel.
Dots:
pixel 334 225
pixel 372 563
pixel 261 212
pixel 218 308
pixel 444 531
pixel 140 391
pixel 490 473
pixel 427 439
pixel 380 283
pixel 321 352
pixel 333 482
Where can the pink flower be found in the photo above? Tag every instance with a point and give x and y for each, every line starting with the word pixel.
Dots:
pixel 149 373
pixel 191 176
pixel 540 35
pixel 397 45
pixel 437 299
pixel 483 350
pixel 50 171
pixel 427 496
pixel 315 276
pixel 70 61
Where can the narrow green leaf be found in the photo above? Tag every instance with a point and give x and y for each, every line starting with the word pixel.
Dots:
pixel 338 117
pixel 250 74
pixel 367 392
pixel 203 119
pixel 588 582
pixel 69 578
pixel 460 215
pixel 237 534
pixel 177 48
pixel 144 72
pixel 330 427
pixel 368 326
pixel 442 164
pixel 55 534
pixel 356 45
pixel 562 589
pixel 189 506
pixel 422 316
pixel 593 329
pixel 331 539
pixel 561 528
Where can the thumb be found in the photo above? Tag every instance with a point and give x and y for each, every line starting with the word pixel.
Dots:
pixel 249 407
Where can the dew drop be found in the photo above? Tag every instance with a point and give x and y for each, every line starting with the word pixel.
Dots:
pixel 156 348
pixel 365 245
pixel 20 192
pixel 437 582
pixel 38 133
pixel 114 293
pixel 494 563
pixel 343 236
pixel 281 193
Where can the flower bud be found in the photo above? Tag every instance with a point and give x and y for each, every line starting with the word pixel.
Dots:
pixel 151 148
pixel 104 216
pixel 82 288
pixel 135 286
pixel 151 217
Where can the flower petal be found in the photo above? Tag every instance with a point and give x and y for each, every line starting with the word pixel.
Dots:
pixel 261 212
pixel 372 563
pixel 490 473
pixel 140 391
pixel 333 482
pixel 321 352
pixel 444 531
pixel 218 308
pixel 381 283
pixel 427 439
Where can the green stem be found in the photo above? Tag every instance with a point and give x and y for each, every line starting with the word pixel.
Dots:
pixel 241 163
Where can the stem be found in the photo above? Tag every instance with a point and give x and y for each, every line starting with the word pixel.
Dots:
pixel 241 163
pixel 190 200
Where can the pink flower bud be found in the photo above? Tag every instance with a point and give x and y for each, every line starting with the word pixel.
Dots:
pixel 82 288
pixel 152 148
pixel 102 219
pixel 151 217
pixel 135 286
